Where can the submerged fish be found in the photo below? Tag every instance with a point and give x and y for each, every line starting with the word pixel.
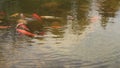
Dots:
pixel 36 17
pixel 24 32
pixel 14 15
pixel 4 27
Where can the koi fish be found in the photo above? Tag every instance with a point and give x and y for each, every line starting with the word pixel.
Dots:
pixel 41 33
pixel 24 32
pixel 37 17
pixel 94 19
pixel 14 15
pixel 22 15
pixel 57 27
pixel 2 13
pixel 4 27
pixel 21 25
pixel 50 17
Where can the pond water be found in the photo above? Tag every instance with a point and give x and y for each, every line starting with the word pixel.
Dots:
pixel 73 45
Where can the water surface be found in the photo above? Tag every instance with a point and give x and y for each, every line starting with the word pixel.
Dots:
pixel 90 41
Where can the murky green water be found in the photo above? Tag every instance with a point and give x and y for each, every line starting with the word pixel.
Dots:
pixel 91 40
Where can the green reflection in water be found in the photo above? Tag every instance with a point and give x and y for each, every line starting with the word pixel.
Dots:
pixel 108 11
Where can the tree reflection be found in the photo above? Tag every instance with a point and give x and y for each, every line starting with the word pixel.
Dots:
pixel 10 7
pixel 79 10
pixel 108 10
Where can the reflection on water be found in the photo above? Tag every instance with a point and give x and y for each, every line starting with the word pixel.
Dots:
pixel 108 13
pixel 78 43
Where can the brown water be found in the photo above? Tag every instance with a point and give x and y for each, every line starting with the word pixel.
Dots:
pixel 77 45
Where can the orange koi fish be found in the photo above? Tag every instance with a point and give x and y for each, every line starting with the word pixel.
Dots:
pixel 21 25
pixel 24 32
pixel 57 27
pixel 36 17
pixel 4 27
